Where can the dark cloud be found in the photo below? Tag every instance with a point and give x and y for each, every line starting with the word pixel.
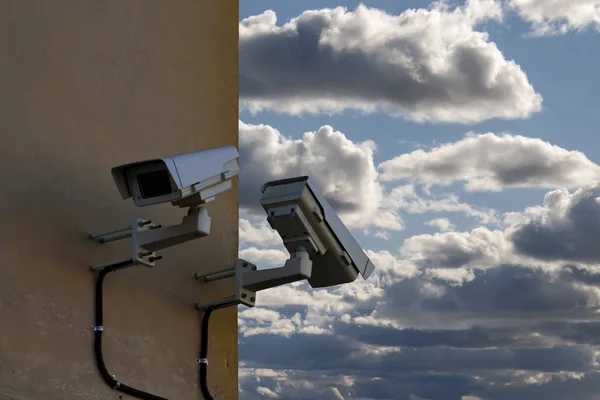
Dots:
pixel 504 331
pixel 331 59
pixel 441 359
pixel 471 338
pixel 302 351
pixel 580 388
pixel 502 294
pixel 569 229
pixel 511 325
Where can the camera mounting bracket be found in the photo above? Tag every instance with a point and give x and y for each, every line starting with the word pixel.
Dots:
pixel 147 238
pixel 249 280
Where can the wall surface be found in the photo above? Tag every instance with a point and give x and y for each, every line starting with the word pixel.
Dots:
pixel 86 85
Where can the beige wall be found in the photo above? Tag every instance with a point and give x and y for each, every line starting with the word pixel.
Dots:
pixel 85 85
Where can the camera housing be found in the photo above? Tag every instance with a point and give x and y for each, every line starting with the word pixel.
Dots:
pixel 321 248
pixel 305 220
pixel 185 180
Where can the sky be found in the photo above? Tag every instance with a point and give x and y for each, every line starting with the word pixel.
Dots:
pixel 458 142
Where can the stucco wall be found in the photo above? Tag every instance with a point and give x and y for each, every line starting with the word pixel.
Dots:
pixel 85 85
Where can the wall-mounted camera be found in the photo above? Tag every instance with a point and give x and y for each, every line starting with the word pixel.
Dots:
pixel 184 180
pixel 322 250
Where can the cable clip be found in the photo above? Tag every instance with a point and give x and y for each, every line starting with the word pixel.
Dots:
pixel 202 360
pixel 117 383
pixel 99 328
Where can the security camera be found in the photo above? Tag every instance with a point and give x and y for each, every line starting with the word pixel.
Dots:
pixel 305 220
pixel 321 248
pixel 185 180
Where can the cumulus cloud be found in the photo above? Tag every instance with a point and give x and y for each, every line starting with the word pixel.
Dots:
pixel 489 162
pixel 259 234
pixel 474 339
pixel 442 224
pixel 425 64
pixel 267 392
pixel 263 256
pixel 344 171
pixel 406 198
pixel 567 229
pixel 551 17
pixel 510 312
pixel 479 248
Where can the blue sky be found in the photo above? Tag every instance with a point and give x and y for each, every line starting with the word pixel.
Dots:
pixel 438 222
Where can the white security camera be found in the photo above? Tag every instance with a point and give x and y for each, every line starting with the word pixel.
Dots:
pixel 321 248
pixel 304 219
pixel 184 179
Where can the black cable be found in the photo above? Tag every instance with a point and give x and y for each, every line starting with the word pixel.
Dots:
pixel 108 378
pixel 204 355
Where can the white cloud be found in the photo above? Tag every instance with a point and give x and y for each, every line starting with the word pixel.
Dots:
pixel 336 394
pixel 265 391
pixel 426 64
pixel 442 224
pixel 405 198
pixel 343 170
pixel 259 234
pixel 551 17
pixel 262 257
pixel 283 327
pixel 389 268
pixel 260 315
pixel 260 321
pixel 480 248
pixel 489 162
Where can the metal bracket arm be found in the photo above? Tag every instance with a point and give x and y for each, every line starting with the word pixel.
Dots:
pixel 295 269
pixel 249 280
pixel 194 225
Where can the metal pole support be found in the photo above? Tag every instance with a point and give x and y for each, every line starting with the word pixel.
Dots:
pixel 216 276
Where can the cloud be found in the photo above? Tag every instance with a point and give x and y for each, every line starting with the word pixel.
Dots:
pixel 454 315
pixel 260 234
pixel 442 224
pixel 482 337
pixel 336 394
pixel 344 171
pixel 552 17
pixel 425 64
pixel 267 392
pixel 264 256
pixel 480 161
pixel 479 248
pixel 406 198
pixel 567 229
pixel 507 295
